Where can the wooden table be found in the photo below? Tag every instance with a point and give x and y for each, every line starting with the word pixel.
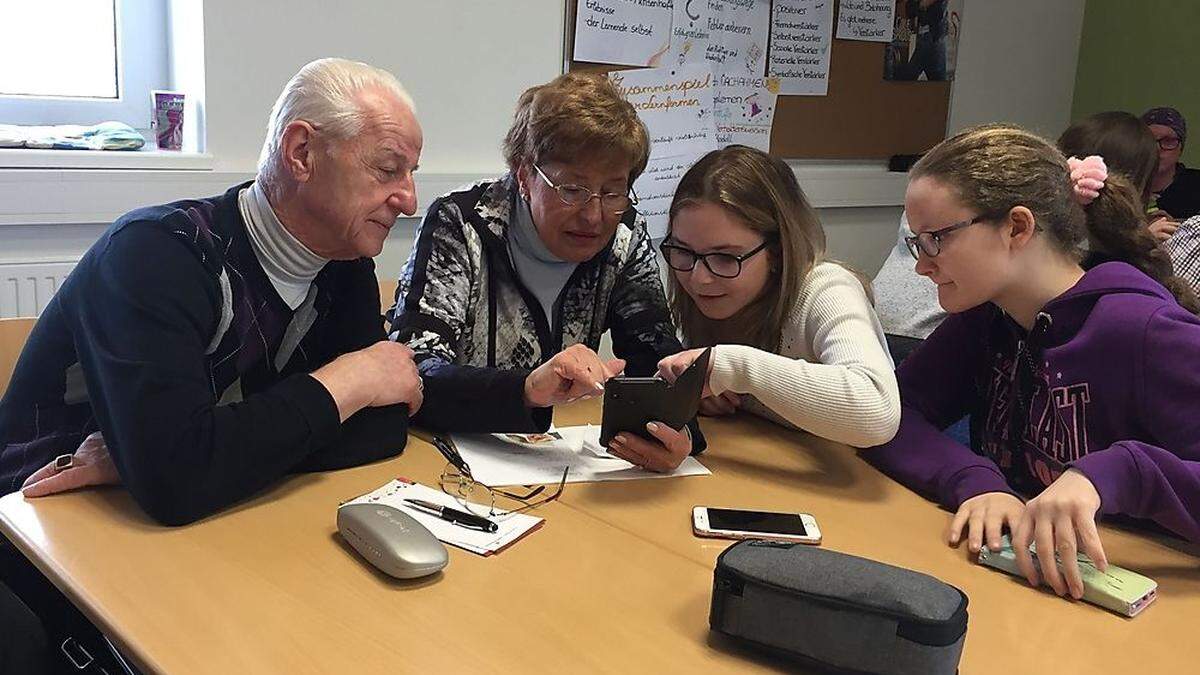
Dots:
pixel 613 582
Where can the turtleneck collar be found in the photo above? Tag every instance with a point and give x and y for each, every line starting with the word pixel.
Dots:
pixel 289 264
pixel 525 235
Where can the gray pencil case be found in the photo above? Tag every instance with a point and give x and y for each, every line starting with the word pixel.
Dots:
pixel 838 612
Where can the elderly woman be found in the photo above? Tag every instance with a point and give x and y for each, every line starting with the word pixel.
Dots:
pixel 512 282
pixel 1176 187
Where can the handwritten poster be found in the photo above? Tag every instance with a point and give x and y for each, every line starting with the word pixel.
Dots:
pixel 869 20
pixel 656 187
pixel 626 32
pixel 801 36
pixel 743 110
pixel 729 34
pixel 676 105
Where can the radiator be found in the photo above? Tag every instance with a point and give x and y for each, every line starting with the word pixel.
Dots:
pixel 26 287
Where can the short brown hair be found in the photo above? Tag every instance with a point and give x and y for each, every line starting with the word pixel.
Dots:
pixel 576 115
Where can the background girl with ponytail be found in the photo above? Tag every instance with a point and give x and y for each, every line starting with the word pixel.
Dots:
pixel 1083 386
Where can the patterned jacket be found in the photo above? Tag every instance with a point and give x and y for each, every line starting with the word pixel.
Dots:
pixel 478 331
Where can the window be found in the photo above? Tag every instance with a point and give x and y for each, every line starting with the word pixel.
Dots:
pixel 82 61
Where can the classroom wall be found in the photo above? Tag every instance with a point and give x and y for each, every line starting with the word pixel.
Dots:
pixel 1137 55
pixel 251 49
pixel 1016 64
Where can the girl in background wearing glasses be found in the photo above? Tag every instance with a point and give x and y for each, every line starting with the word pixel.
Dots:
pixel 1081 385
pixel 794 336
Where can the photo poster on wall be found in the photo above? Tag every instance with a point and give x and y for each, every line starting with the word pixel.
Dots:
pixel 801 41
pixel 924 44
pixel 730 34
pixel 622 32
pixel 676 105
pixel 867 20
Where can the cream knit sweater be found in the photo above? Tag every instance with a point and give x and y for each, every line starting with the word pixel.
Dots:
pixel 833 376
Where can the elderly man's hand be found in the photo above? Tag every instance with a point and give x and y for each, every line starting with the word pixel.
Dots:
pixel 575 372
pixel 379 375
pixel 90 465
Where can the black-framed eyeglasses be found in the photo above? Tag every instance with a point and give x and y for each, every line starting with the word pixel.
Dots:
pixel 930 243
pixel 578 196
pixel 1169 143
pixel 456 480
pixel 724 265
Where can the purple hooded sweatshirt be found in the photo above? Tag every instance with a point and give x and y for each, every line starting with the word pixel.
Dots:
pixel 1106 382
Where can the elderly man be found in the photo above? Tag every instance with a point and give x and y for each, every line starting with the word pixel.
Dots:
pixel 202 349
pixel 214 345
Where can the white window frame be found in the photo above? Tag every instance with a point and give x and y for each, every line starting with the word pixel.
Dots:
pixel 143 51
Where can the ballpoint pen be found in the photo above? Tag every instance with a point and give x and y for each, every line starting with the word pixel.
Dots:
pixel 455 516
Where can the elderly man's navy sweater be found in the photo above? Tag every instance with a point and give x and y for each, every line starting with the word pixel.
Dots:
pixel 170 340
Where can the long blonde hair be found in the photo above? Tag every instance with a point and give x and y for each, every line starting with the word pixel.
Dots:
pixel 762 192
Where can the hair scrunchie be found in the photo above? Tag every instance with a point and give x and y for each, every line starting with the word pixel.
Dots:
pixel 1087 177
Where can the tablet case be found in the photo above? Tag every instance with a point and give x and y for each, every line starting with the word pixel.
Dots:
pixel 632 402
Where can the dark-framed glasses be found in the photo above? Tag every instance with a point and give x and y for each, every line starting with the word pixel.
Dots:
pixel 577 196
pixel 456 480
pixel 930 243
pixel 1169 142
pixel 724 265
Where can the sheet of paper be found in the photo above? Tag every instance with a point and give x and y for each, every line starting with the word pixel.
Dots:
pixel 801 37
pixel 626 32
pixel 676 105
pixel 656 187
pixel 496 461
pixel 743 109
pixel 729 34
pixel 512 526
pixel 869 20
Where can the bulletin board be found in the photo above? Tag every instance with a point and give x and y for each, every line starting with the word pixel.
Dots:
pixel 862 117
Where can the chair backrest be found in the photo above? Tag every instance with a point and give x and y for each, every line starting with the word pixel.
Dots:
pixel 13 333
pixel 387 293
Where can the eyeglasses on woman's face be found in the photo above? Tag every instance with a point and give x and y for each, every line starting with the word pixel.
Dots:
pixel 724 265
pixel 930 243
pixel 577 196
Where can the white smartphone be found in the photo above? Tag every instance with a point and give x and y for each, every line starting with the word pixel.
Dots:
pixel 742 524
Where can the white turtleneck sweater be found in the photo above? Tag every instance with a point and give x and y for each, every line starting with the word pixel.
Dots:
pixel 833 376
pixel 289 265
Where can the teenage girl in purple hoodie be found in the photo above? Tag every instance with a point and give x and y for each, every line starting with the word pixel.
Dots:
pixel 1083 387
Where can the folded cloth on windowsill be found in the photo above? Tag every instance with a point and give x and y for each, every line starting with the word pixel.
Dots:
pixel 103 136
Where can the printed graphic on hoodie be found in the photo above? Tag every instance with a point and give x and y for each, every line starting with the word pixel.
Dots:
pixel 1055 434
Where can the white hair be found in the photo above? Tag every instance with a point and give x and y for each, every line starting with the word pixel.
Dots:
pixel 324 94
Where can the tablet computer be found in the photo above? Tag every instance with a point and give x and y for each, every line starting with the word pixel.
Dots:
pixel 632 402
